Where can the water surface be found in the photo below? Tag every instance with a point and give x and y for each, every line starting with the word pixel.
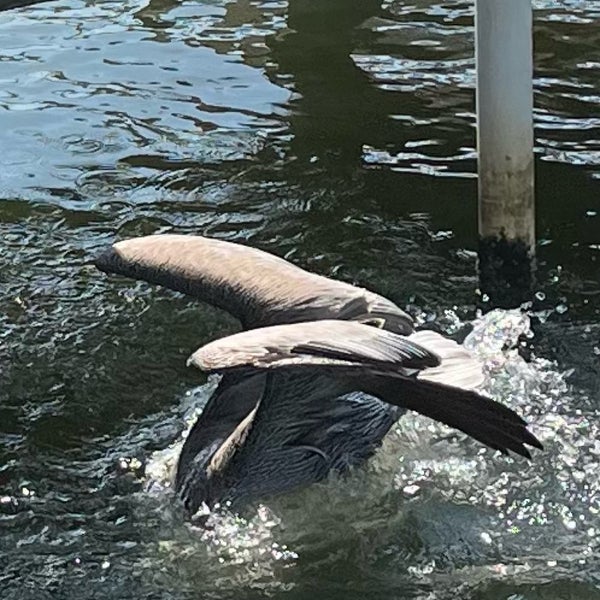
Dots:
pixel 340 135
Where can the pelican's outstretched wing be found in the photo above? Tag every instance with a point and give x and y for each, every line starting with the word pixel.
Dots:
pixel 257 287
pixel 391 367
pixel 315 343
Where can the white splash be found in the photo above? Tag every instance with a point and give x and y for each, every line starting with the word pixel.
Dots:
pixel 521 516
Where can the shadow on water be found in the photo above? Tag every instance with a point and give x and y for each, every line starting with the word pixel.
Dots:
pixel 339 135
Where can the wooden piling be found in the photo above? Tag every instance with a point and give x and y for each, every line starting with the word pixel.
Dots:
pixel 504 62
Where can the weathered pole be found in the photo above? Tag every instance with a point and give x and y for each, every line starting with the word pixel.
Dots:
pixel 504 62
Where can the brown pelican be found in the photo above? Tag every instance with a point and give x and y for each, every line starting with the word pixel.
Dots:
pixel 315 382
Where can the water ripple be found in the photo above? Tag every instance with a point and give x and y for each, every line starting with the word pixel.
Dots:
pixel 136 117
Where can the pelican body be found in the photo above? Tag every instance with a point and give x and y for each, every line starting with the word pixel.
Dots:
pixel 319 374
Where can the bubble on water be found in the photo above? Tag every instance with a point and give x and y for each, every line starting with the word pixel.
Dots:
pixel 131 464
pixel 561 309
pixel 411 490
pixel 425 569
pixel 570 524
pixel 486 538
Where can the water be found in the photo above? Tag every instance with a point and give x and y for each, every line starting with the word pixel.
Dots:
pixel 344 140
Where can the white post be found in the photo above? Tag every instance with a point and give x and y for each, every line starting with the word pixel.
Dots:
pixel 504 58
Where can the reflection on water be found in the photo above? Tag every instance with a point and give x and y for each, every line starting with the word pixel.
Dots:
pixel 342 139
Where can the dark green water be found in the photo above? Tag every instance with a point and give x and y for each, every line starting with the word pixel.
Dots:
pixel 340 134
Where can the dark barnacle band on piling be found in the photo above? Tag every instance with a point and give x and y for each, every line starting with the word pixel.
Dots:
pixel 506 271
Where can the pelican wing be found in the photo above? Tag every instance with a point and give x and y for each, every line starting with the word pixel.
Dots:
pixel 435 377
pixel 458 367
pixel 256 287
pixel 484 419
pixel 326 343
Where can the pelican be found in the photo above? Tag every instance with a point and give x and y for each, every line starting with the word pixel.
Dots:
pixel 319 374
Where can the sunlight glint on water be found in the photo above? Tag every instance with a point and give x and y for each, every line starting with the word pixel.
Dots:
pixel 355 161
pixel 505 505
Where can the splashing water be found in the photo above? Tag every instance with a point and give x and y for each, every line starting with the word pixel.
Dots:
pixel 448 503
